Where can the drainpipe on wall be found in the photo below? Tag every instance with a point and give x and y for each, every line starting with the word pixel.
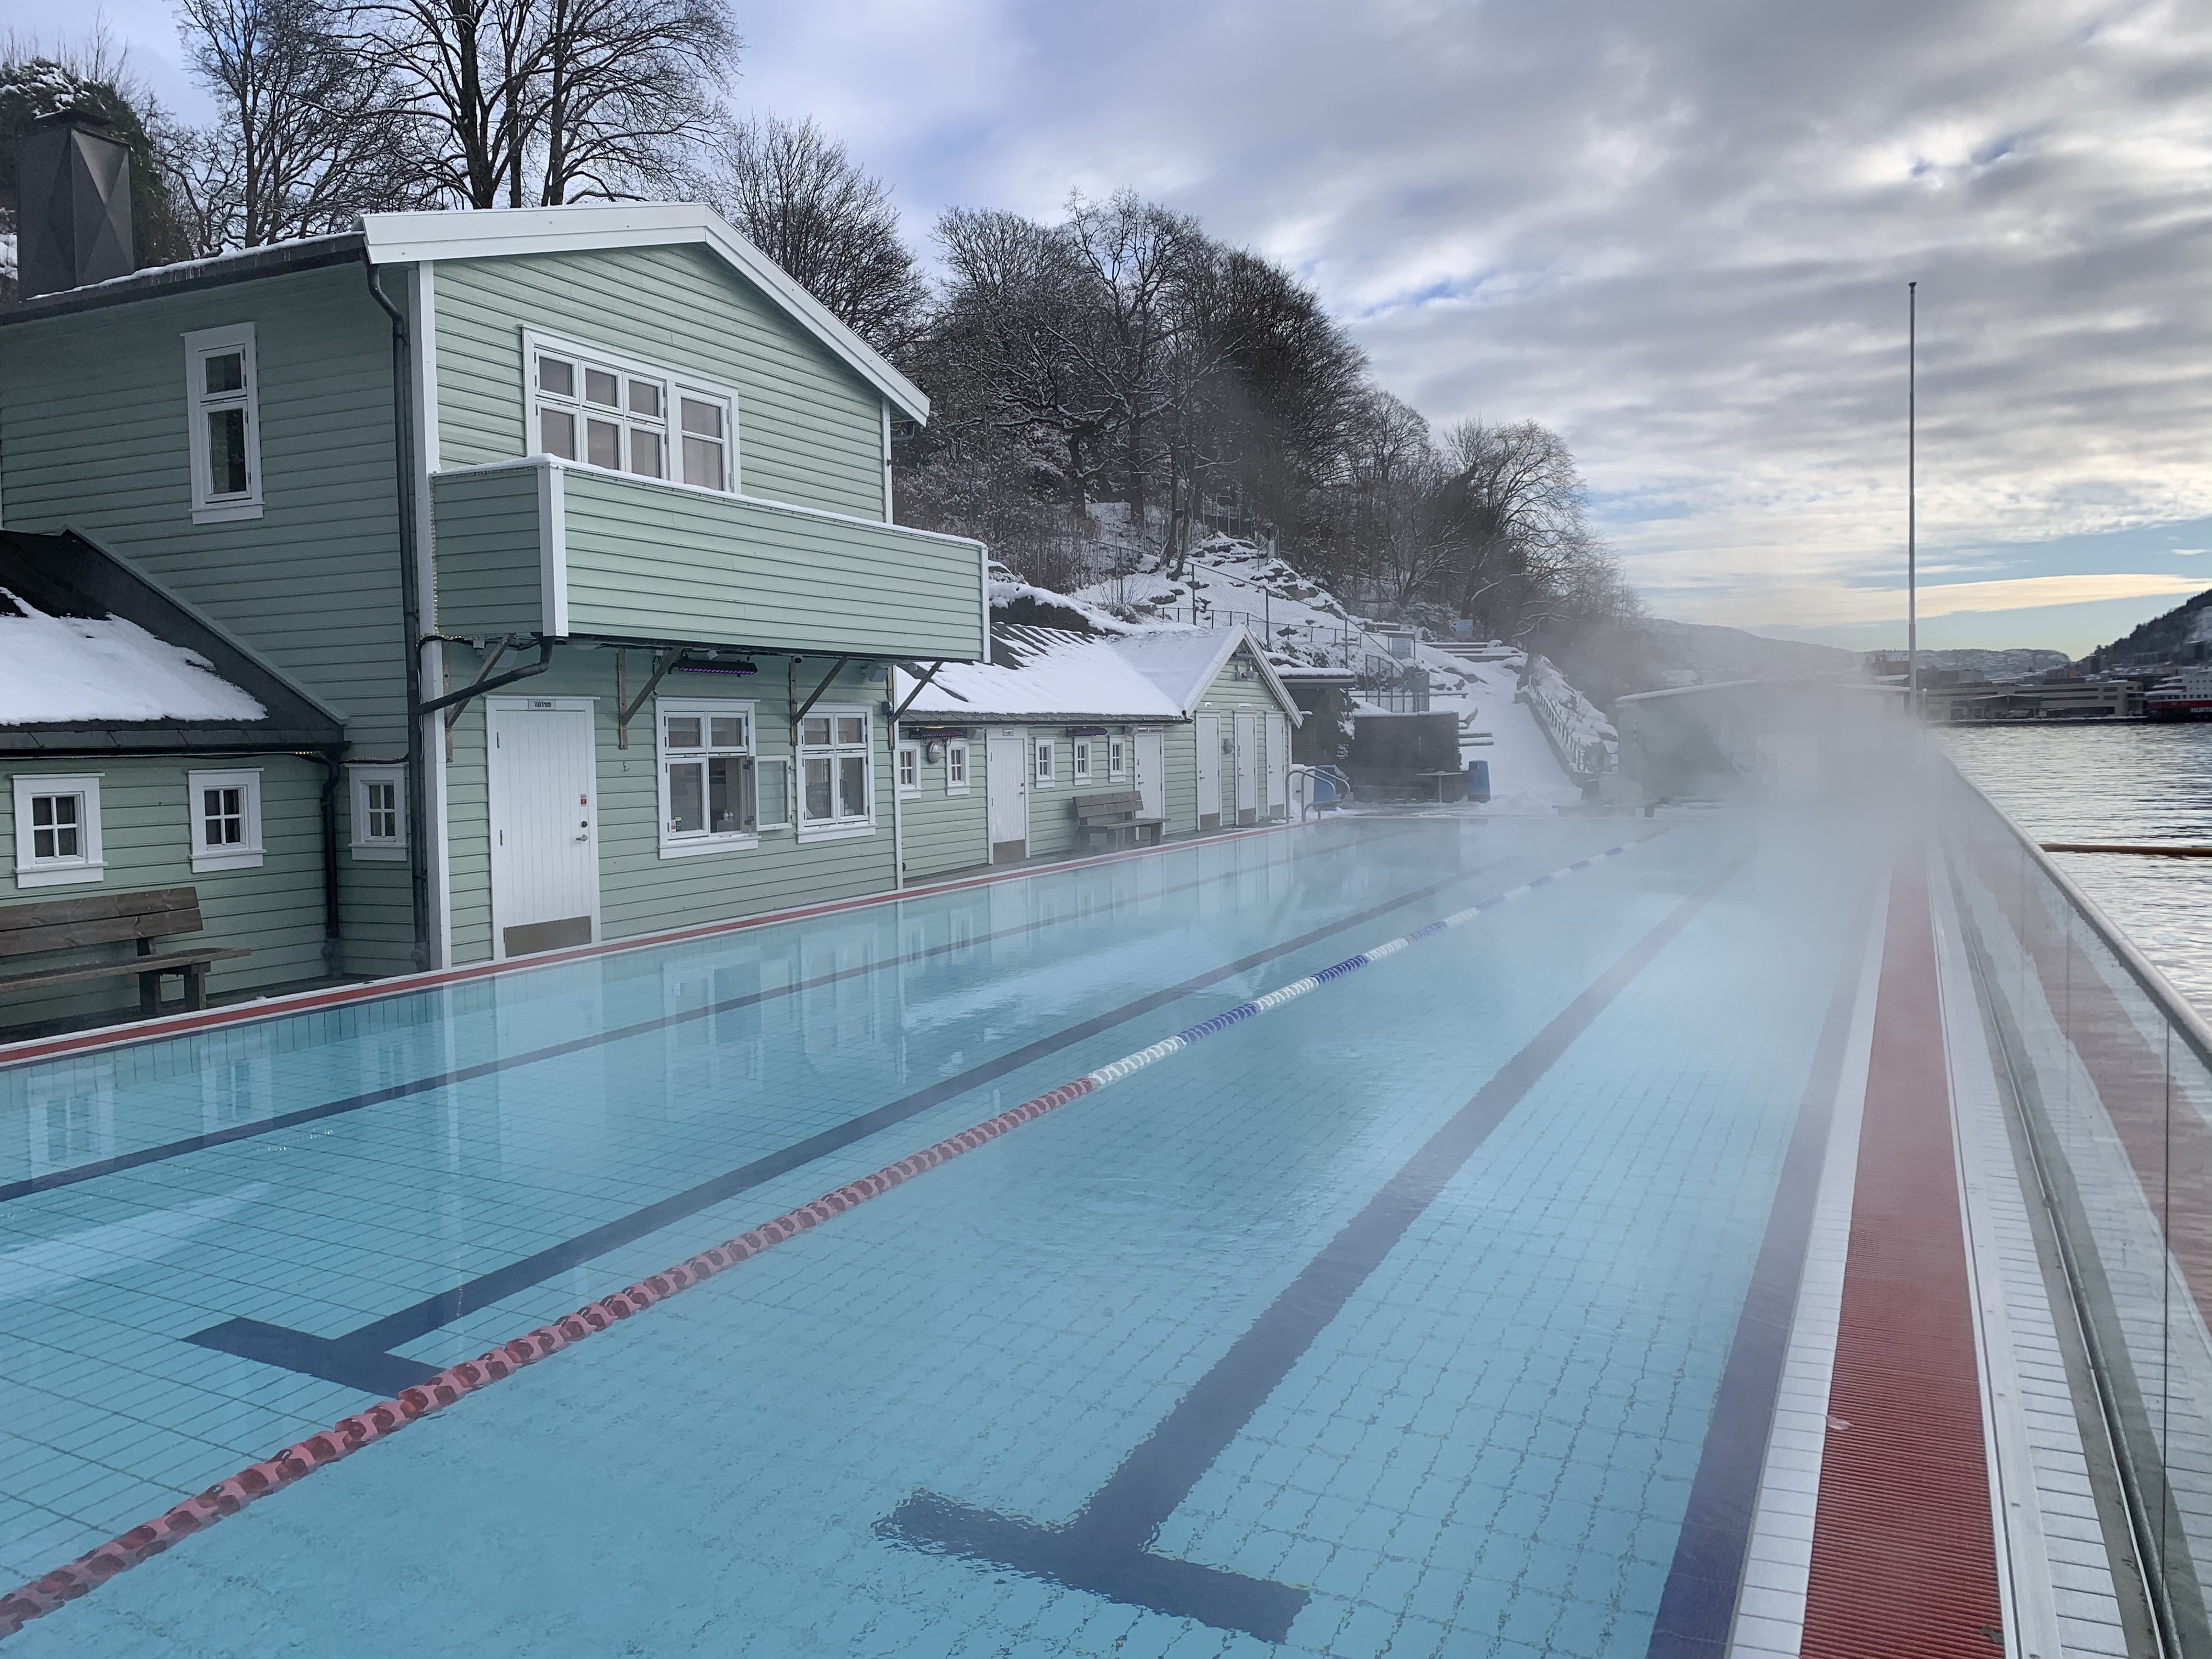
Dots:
pixel 333 923
pixel 410 608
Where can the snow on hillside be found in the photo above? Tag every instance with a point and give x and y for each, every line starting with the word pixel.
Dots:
pixel 1227 582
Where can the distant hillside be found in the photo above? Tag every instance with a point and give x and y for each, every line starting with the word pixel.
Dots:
pixel 2162 639
pixel 1730 653
pixel 2017 663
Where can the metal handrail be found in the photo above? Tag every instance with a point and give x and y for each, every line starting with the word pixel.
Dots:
pixel 2147 975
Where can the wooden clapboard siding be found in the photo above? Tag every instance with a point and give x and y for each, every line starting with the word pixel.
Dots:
pixel 490 579
pixel 94 437
pixel 810 430
pixel 640 891
pixel 274 910
pixel 944 833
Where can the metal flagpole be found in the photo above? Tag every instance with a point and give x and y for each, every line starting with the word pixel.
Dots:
pixel 1912 494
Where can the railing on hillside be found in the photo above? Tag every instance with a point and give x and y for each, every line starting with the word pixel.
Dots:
pixel 2107 1073
pixel 1583 756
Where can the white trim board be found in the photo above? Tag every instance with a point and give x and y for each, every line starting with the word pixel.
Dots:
pixel 511 232
pixel 1770 1615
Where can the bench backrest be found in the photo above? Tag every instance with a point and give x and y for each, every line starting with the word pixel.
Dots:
pixel 1112 805
pixel 98 919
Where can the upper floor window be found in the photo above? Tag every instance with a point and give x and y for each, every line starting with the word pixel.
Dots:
pixel 220 398
pixel 836 790
pixel 709 795
pixel 627 416
pixel 57 830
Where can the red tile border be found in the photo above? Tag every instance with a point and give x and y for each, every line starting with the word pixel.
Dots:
pixel 1903 1546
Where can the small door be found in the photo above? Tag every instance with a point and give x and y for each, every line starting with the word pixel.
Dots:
pixel 1006 790
pixel 1248 766
pixel 1278 766
pixel 544 791
pixel 1153 776
pixel 1208 738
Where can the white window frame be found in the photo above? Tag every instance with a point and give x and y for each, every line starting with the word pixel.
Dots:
pixel 692 843
pixel 378 849
pixel 199 403
pixel 1079 761
pixel 909 775
pixel 1043 766
pixel 834 828
pixel 956 773
pixel 1117 758
pixel 89 864
pixel 243 855
pixel 674 384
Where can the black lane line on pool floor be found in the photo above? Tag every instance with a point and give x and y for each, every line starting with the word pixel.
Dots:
pixel 80 1172
pixel 1107 1548
pixel 1697 1608
pixel 362 1359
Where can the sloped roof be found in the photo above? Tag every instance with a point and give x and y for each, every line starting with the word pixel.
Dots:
pixel 1040 673
pixel 505 233
pixel 1184 662
pixel 95 658
pixel 1051 674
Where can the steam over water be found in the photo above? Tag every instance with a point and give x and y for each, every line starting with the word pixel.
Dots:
pixel 2133 783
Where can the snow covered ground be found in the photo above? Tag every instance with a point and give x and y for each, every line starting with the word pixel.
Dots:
pixel 1227 580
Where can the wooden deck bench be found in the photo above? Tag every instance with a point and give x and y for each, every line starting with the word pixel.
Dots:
pixel 1113 818
pixel 107 918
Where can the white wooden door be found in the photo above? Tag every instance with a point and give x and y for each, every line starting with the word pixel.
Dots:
pixel 1278 766
pixel 544 824
pixel 1153 776
pixel 1006 788
pixel 1208 736
pixel 1248 765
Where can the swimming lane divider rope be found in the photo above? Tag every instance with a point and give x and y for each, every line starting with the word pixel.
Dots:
pixel 227 1496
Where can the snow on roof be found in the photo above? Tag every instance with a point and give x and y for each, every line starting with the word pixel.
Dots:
pixel 85 670
pixel 1040 673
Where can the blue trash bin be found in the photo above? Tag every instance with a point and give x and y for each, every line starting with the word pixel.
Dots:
pixel 1478 781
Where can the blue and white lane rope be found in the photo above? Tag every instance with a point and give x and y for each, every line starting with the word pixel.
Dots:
pixel 1114 1071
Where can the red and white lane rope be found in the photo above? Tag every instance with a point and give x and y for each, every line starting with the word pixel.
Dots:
pixel 226 1498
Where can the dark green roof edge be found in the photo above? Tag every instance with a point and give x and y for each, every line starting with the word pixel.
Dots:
pixel 220 272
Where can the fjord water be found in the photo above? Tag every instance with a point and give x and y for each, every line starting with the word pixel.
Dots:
pixel 2115 783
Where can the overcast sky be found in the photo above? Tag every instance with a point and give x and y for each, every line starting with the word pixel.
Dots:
pixel 1680 234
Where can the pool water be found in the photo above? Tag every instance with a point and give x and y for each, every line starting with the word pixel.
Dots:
pixel 1145 1377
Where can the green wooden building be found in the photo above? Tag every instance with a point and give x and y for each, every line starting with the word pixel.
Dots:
pixel 597 491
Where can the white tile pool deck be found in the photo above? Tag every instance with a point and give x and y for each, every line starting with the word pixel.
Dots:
pixel 1488 1448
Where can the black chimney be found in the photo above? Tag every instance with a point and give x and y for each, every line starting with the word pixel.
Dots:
pixel 73 204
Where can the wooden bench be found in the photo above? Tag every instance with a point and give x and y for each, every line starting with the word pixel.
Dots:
pixel 107 918
pixel 1114 818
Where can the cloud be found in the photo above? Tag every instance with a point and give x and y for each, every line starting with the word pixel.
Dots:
pixel 1679 234
pixel 1867 604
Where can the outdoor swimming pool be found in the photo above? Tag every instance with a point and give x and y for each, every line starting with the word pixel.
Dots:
pixel 1392 1320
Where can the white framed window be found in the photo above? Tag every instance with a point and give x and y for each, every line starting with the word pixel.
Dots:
pixel 614 412
pixel 1117 757
pixel 225 809
pixel 222 401
pixel 380 812
pixel 710 783
pixel 57 830
pixel 910 769
pixel 956 768
pixel 836 768
pixel 1079 766
pixel 1041 768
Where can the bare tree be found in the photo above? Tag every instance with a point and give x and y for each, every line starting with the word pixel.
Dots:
pixel 800 197
pixel 309 136
pixel 538 102
pixel 1511 504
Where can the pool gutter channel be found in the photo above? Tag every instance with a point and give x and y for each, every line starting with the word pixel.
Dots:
pixel 227 1497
